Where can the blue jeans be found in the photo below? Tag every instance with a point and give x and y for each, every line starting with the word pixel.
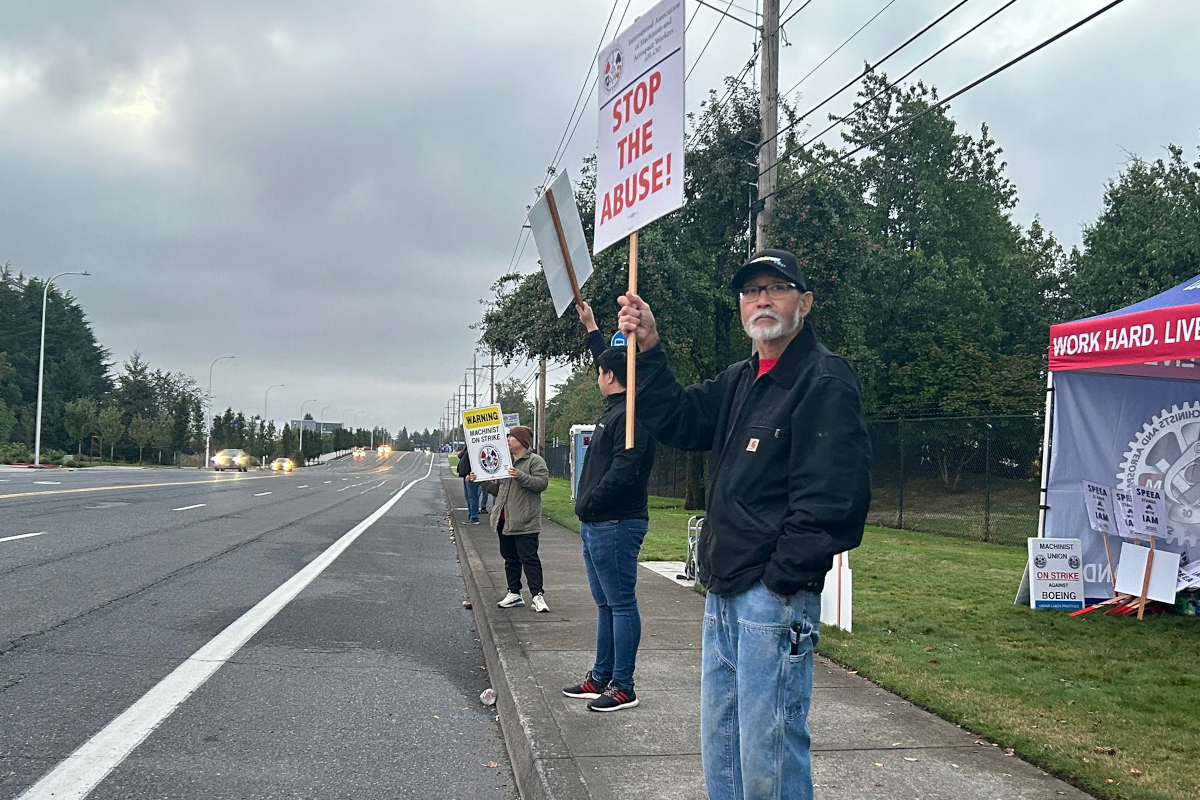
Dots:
pixel 755 692
pixel 472 491
pixel 610 551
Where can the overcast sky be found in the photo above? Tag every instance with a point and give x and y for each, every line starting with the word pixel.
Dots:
pixel 326 190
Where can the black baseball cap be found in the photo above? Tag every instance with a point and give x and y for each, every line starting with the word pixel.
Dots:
pixel 780 261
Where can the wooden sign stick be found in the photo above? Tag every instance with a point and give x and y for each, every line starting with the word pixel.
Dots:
pixel 631 349
pixel 1108 554
pixel 1146 580
pixel 562 245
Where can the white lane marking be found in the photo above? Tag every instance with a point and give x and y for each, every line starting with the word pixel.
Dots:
pixel 262 494
pixel 189 508
pixel 78 774
pixel 305 486
pixel 21 536
pixel 48 483
pixel 329 481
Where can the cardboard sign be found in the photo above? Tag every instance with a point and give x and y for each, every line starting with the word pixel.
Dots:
pixel 1149 512
pixel 1131 572
pixel 1100 507
pixel 511 421
pixel 487 442
pixel 1123 507
pixel 639 150
pixel 550 249
pixel 1055 573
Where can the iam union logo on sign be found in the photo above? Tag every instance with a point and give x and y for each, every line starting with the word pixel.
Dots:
pixel 1166 455
pixel 612 69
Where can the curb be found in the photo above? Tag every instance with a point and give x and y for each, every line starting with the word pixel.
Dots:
pixel 542 764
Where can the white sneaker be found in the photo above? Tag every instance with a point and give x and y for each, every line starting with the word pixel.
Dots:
pixel 512 600
pixel 539 604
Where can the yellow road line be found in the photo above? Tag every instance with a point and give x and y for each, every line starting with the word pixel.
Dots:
pixel 210 481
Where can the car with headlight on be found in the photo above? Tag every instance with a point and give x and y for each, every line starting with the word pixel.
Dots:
pixel 282 464
pixel 231 459
pixel 360 452
pixel 384 450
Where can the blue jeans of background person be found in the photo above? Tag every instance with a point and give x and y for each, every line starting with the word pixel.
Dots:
pixel 755 692
pixel 472 490
pixel 610 552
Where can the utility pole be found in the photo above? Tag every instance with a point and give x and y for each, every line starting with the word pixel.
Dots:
pixel 475 377
pixel 492 398
pixel 541 407
pixel 769 112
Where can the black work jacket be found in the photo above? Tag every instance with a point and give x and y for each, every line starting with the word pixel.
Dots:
pixel 790 471
pixel 612 483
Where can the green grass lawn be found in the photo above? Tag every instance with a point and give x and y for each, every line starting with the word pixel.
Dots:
pixel 666 540
pixel 934 622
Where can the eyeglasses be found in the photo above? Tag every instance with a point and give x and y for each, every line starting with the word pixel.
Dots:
pixel 775 291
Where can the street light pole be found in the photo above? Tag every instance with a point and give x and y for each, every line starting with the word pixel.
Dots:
pixel 321 427
pixel 208 425
pixel 37 438
pixel 264 418
pixel 302 405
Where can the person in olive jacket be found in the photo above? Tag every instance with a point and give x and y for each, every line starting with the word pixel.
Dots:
pixel 611 503
pixel 789 487
pixel 517 517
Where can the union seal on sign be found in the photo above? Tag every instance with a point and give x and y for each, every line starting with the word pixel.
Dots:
pixel 1165 455
pixel 612 69
pixel 489 459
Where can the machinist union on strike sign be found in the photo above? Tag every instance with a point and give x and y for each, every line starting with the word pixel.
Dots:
pixel 639 156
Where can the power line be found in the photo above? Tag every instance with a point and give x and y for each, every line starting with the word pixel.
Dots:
pixel 706 44
pixel 839 47
pixel 794 13
pixel 586 78
pixel 870 68
pixel 725 13
pixel 902 78
pixel 908 122
pixel 741 77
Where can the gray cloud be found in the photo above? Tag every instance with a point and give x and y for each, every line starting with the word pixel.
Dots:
pixel 326 190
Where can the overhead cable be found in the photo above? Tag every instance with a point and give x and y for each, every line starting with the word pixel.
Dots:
pixel 941 103
pixel 839 47
pixel 870 68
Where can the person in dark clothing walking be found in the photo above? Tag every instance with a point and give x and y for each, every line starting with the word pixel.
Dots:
pixel 471 490
pixel 789 487
pixel 611 503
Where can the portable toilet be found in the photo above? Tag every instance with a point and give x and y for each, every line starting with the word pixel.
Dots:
pixel 581 438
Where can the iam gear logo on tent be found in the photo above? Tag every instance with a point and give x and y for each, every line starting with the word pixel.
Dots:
pixel 1166 455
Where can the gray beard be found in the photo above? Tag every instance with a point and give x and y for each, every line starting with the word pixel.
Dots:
pixel 776 331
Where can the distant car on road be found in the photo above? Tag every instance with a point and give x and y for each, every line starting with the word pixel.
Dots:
pixel 282 464
pixel 360 452
pixel 384 450
pixel 231 459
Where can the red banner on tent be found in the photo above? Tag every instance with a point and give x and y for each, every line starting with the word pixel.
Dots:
pixel 1160 334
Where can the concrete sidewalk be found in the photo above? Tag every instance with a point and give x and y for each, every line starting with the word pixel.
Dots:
pixel 866 741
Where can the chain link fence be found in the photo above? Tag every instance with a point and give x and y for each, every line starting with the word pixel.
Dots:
pixel 968 477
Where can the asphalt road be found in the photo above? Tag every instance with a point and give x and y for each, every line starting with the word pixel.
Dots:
pixel 158 638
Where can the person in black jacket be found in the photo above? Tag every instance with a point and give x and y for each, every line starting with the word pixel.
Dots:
pixel 471 490
pixel 611 503
pixel 789 487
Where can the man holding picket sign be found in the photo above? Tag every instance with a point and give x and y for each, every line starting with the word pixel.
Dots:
pixel 789 487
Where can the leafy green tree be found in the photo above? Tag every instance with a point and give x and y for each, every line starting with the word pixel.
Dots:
pixel 164 433
pixel 141 432
pixel 1146 239
pixel 577 402
pixel 7 421
pixel 112 428
pixel 513 398
pixel 79 418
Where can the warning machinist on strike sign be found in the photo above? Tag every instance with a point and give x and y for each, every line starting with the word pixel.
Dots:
pixel 639 152
pixel 487 442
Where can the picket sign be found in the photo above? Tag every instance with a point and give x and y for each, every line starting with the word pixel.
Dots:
pixel 639 153
pixel 561 243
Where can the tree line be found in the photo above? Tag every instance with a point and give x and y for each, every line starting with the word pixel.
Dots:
pixel 921 276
